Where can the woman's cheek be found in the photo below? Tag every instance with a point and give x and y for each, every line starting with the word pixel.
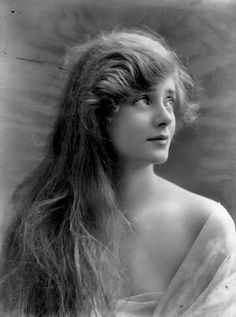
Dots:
pixel 126 141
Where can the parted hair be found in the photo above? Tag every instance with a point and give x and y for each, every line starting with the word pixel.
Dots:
pixel 61 255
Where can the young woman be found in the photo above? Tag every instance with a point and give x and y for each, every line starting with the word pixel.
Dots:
pixel 97 231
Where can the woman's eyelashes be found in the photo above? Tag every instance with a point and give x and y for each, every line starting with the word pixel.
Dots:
pixel 145 100
pixel 170 101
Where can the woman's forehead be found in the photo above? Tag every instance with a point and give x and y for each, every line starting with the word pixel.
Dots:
pixel 167 84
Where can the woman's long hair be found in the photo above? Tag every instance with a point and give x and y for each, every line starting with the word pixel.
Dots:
pixel 61 250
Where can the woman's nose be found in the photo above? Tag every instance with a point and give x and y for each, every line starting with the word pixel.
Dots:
pixel 162 115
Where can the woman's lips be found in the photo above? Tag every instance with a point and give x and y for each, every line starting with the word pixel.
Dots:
pixel 161 137
pixel 159 140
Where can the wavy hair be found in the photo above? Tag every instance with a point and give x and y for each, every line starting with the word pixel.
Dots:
pixel 61 250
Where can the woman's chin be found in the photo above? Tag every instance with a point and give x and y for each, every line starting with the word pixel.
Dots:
pixel 160 162
pixel 161 159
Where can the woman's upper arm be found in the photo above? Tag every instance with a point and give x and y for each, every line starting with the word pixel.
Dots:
pixel 209 211
pixel 225 220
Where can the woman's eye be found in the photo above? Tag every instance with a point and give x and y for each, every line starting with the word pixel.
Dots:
pixel 143 100
pixel 170 101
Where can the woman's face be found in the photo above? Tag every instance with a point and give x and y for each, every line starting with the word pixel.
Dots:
pixel 142 129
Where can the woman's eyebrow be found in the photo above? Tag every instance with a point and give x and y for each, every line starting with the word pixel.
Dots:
pixel 171 91
pixel 152 90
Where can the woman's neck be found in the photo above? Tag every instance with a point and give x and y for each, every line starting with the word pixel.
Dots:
pixel 137 186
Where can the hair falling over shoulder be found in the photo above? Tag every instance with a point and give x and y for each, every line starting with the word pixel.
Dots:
pixel 61 250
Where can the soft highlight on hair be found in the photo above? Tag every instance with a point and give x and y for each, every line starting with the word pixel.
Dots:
pixel 61 250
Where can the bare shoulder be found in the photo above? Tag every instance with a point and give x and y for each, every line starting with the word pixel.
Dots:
pixel 166 231
pixel 198 208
